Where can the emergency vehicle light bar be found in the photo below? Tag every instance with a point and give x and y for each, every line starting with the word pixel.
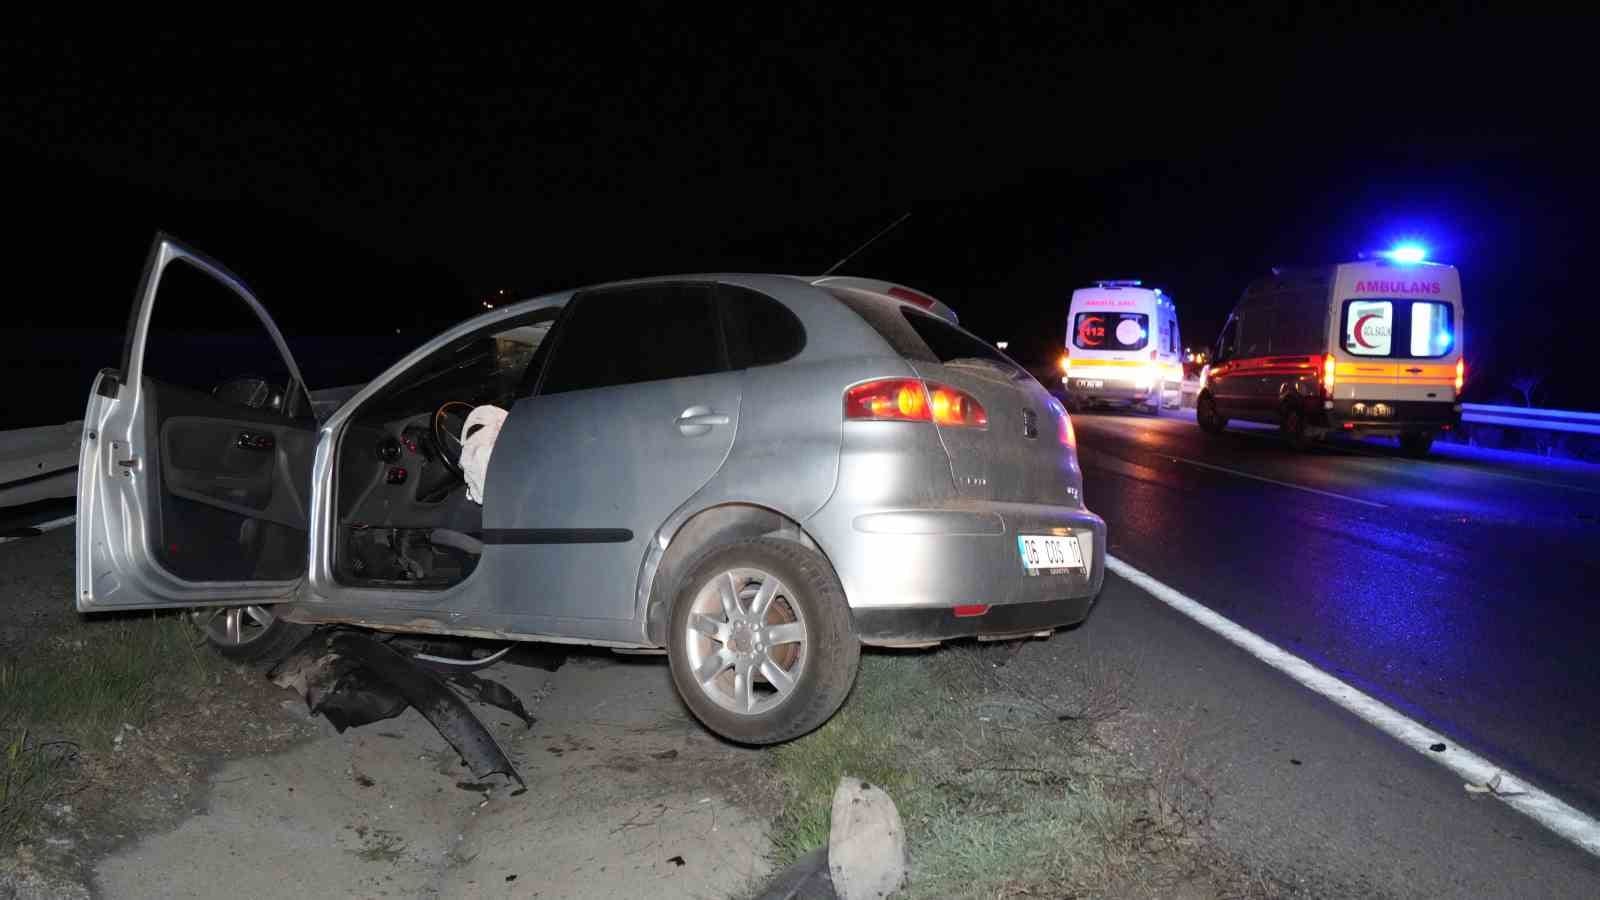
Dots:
pixel 1119 283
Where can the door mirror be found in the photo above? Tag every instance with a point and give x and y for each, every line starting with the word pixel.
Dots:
pixel 250 391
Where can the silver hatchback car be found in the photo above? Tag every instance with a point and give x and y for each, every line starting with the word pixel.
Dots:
pixel 753 474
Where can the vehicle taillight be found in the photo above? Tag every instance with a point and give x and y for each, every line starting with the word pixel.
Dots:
pixel 953 407
pixel 892 399
pixel 1069 437
pixel 1066 364
pixel 1152 354
pixel 1461 374
pixel 1328 366
pixel 909 400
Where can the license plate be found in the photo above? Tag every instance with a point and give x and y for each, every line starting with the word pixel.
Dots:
pixel 1091 384
pixel 1049 554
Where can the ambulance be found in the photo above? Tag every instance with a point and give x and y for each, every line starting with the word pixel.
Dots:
pixel 1371 347
pixel 1123 348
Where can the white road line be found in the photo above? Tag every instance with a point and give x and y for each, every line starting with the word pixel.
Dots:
pixel 1298 487
pixel 43 526
pixel 1512 789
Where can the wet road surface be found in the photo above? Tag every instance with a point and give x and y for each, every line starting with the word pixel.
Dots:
pixel 1461 589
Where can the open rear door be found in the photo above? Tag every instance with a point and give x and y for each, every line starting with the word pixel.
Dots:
pixel 195 471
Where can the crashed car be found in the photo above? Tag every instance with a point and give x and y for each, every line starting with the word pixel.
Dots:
pixel 754 474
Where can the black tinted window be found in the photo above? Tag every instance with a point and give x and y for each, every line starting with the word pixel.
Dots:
pixel 950 343
pixel 760 330
pixel 628 335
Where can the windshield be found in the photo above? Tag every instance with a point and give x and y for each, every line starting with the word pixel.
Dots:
pixel 1110 331
pixel 1418 329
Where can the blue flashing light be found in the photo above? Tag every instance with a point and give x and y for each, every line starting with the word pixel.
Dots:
pixel 1406 253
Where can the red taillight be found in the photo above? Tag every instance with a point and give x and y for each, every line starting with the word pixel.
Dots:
pixel 1152 354
pixel 1329 364
pixel 1461 374
pixel 967 611
pixel 909 400
pixel 1069 437
pixel 893 399
pixel 953 407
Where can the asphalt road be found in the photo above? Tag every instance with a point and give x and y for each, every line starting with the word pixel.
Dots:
pixel 1459 590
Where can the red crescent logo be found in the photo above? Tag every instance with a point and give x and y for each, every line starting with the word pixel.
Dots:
pixel 1087 326
pixel 1359 324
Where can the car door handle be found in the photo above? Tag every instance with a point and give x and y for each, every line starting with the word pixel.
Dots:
pixel 698 420
pixel 254 440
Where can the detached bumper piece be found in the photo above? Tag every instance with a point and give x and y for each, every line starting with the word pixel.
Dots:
pixel 352 680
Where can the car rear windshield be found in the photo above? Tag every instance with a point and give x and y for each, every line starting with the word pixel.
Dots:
pixel 1110 331
pixel 1413 329
pixel 922 337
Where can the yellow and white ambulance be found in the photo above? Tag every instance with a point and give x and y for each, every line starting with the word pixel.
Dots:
pixel 1367 347
pixel 1123 348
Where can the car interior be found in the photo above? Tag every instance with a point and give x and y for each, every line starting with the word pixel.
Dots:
pixel 404 517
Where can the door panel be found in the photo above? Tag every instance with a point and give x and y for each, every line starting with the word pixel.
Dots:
pixel 580 481
pixel 185 499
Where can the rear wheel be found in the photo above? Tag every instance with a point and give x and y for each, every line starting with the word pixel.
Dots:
pixel 762 645
pixel 1206 415
pixel 1294 428
pixel 248 633
pixel 1416 444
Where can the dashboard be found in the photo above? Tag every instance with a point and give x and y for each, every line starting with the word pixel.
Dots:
pixel 394 475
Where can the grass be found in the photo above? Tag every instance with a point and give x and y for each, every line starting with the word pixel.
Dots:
pixel 1002 792
pixel 66 694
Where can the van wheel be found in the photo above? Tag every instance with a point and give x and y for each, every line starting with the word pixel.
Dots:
pixel 762 645
pixel 1416 445
pixel 1206 415
pixel 1294 428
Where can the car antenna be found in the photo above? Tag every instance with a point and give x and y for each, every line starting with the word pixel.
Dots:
pixel 891 226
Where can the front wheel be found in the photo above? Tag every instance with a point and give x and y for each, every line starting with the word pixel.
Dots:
pixel 1416 445
pixel 1206 415
pixel 248 633
pixel 761 644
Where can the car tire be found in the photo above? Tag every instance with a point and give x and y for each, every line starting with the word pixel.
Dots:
pixel 250 634
pixel 1293 423
pixel 1416 445
pixel 707 647
pixel 1207 417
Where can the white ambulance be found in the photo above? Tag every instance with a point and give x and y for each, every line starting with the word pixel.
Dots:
pixel 1123 348
pixel 1368 347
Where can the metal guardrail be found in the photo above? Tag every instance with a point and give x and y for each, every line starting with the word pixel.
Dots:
pixel 1524 417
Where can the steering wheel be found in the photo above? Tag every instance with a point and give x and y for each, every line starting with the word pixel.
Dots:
pixel 448 421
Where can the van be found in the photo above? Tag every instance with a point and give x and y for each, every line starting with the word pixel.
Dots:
pixel 1367 348
pixel 1122 348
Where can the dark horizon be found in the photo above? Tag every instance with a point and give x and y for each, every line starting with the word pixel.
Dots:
pixel 392 184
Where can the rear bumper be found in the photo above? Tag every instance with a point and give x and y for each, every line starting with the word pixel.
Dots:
pixel 923 625
pixel 1404 416
pixel 1101 389
pixel 904 571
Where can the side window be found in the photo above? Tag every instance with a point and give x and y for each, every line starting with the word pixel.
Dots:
pixel 634 334
pixel 1227 342
pixel 760 331
pixel 203 337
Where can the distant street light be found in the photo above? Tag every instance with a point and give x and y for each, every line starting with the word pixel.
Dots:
pixel 1002 344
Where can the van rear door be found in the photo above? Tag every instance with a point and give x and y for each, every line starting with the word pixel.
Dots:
pixel 1399 332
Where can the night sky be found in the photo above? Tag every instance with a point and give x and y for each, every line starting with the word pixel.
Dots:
pixel 392 178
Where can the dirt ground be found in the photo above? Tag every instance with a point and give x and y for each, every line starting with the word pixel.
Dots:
pixel 232 786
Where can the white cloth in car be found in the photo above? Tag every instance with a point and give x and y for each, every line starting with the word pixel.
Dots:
pixel 477 442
